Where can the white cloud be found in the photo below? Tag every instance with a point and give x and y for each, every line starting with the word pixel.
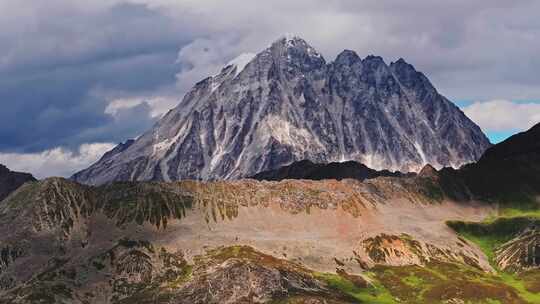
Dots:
pixel 159 104
pixel 471 44
pixel 55 162
pixel 503 115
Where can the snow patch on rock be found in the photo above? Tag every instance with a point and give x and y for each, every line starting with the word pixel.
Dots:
pixel 241 62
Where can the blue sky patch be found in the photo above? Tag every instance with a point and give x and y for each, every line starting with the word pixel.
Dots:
pixel 496 137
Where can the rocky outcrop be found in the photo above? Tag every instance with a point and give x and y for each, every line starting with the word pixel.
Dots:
pixel 242 275
pixel 522 252
pixel 10 181
pixel 514 242
pixel 403 250
pixel 288 104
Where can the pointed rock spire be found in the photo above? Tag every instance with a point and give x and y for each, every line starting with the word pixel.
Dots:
pixel 373 60
pixel 347 57
pixel 291 50
pixel 408 76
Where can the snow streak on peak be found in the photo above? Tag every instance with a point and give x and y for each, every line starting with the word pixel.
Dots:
pixel 293 41
pixel 288 40
pixel 241 61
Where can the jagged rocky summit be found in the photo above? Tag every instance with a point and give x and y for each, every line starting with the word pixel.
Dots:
pixel 288 104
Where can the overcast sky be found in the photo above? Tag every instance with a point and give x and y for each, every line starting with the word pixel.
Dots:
pixel 77 77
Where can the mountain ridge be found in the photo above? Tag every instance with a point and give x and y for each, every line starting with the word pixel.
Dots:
pixel 306 169
pixel 11 180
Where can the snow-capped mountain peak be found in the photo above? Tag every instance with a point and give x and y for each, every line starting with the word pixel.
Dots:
pixel 288 104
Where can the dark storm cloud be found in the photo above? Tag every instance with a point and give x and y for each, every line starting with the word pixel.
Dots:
pixel 52 99
pixel 50 108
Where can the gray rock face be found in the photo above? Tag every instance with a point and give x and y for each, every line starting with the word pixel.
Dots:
pixel 288 104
